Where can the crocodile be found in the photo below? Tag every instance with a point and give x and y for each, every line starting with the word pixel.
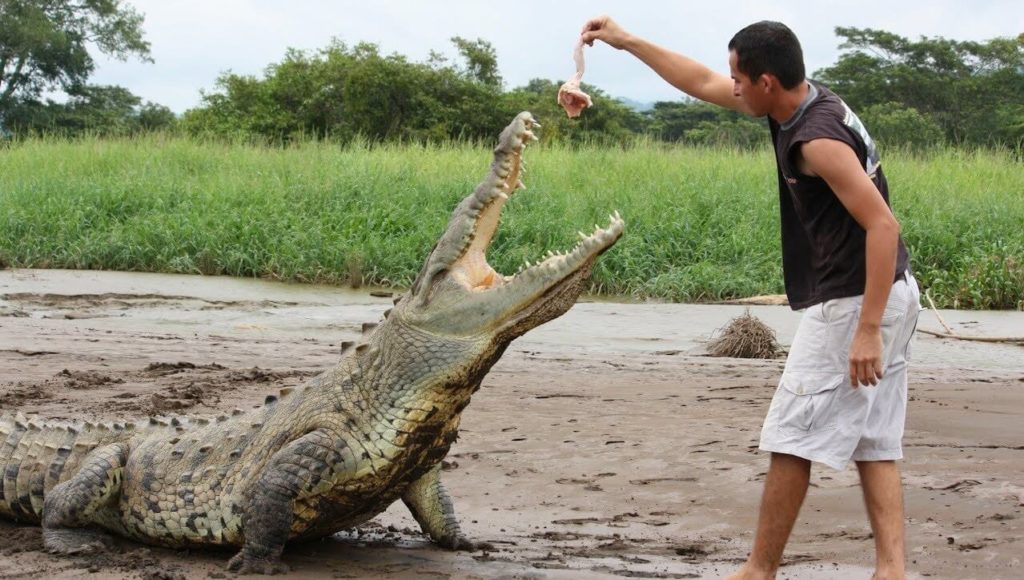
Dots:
pixel 324 456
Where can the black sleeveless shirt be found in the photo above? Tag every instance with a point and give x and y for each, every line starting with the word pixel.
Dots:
pixel 823 247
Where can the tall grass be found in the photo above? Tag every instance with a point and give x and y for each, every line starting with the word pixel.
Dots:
pixel 702 224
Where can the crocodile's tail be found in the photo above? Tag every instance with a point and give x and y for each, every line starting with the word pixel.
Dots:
pixel 37 454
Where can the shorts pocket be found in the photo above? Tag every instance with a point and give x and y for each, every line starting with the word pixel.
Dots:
pixel 892 327
pixel 808 402
pixel 894 311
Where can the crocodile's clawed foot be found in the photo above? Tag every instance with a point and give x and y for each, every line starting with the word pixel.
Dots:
pixel 67 542
pixel 244 564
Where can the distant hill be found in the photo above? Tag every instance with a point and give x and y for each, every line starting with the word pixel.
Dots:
pixel 637 106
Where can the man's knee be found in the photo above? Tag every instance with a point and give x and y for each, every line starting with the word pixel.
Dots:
pixel 786 460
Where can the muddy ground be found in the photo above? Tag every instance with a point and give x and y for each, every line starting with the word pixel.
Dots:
pixel 604 444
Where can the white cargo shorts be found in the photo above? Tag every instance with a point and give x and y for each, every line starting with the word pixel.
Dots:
pixel 815 413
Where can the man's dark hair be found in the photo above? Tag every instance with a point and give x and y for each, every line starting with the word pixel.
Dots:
pixel 772 48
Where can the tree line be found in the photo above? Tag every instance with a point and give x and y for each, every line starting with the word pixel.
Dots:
pixel 919 93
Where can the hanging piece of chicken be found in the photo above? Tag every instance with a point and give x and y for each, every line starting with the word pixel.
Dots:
pixel 572 99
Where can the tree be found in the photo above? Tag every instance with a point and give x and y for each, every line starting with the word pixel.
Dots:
pixel 44 43
pixel 895 124
pixel 672 120
pixel 343 91
pixel 700 123
pixel 95 109
pixel 481 60
pixel 155 117
pixel 973 90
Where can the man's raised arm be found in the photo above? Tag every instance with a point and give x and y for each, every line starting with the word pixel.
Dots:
pixel 682 72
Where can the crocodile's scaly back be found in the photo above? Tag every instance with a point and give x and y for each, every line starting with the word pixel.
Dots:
pixel 327 455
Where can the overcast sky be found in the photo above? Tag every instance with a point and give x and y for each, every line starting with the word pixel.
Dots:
pixel 193 41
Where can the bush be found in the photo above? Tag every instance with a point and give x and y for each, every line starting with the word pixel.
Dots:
pixel 893 124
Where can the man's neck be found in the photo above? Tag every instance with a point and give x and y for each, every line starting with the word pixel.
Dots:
pixel 788 103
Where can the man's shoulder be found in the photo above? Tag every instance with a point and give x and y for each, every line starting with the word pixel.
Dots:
pixel 825 118
pixel 826 108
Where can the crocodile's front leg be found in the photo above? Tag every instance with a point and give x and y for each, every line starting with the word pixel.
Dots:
pixel 429 503
pixel 293 471
pixel 69 505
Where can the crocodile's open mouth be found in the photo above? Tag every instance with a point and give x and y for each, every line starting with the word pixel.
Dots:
pixel 483 211
pixel 459 293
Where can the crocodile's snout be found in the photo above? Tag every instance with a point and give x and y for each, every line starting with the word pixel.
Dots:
pixel 458 266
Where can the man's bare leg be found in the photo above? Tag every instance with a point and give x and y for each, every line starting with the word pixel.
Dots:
pixel 784 490
pixel 883 497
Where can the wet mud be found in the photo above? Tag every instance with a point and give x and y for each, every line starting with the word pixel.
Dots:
pixel 605 444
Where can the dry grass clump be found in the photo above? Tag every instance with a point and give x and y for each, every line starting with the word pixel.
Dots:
pixel 745 337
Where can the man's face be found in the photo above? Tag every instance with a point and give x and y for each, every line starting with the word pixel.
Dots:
pixel 751 92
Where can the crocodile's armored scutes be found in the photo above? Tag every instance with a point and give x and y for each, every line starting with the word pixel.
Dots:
pixel 325 456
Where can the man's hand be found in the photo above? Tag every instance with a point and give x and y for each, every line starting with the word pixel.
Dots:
pixel 605 29
pixel 866 356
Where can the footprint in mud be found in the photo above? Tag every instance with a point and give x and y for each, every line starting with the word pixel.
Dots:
pixel 66 379
pixel 177 398
pixel 581 521
pixel 560 536
pixel 17 396
pixel 846 534
pixel 693 552
pixel 660 480
pixel 258 375
pixel 996 517
pixel 973 546
pixel 85 379
pixel 616 521
pixel 166 368
pixel 960 486
pixel 589 484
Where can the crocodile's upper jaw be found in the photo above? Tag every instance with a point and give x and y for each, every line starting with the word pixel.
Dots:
pixel 459 294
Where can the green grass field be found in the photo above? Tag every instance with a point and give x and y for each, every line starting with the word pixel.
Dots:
pixel 702 224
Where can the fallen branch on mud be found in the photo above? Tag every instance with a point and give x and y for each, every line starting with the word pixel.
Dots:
pixel 1018 340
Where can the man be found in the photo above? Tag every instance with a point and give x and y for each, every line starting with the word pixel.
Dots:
pixel 843 393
